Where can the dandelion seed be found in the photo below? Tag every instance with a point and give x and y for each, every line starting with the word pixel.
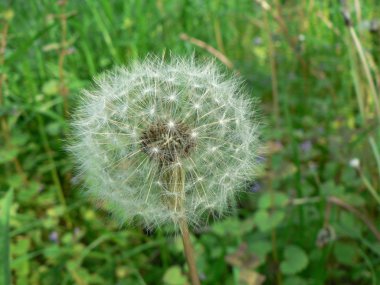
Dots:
pixel 172 98
pixel 194 134
pixel 155 150
pixel 171 124
pixel 197 106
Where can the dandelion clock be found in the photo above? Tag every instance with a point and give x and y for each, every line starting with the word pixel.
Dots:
pixel 166 142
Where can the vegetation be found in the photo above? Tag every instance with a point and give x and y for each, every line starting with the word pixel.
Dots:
pixel 312 216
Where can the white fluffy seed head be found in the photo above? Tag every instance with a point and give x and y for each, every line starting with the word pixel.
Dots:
pixel 175 113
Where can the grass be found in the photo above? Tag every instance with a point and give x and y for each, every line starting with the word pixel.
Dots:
pixel 314 219
pixel 5 241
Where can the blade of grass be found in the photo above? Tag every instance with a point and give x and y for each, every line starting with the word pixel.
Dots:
pixel 366 69
pixel 376 152
pixel 5 273
pixel 362 56
pixel 54 171
pixel 106 35
pixel 370 187
pixel 272 60
pixel 356 80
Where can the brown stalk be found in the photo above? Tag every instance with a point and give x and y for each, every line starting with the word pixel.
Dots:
pixel 176 183
pixel 284 29
pixel 332 200
pixel 340 203
pixel 362 56
pixel 4 123
pixel 189 252
pixel 62 54
pixel 224 59
pixel 63 90
pixel 272 59
pixel 3 45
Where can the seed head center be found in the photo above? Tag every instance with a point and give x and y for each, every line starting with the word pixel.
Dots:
pixel 168 142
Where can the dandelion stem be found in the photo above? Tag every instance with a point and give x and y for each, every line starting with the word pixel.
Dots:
pixel 176 179
pixel 189 252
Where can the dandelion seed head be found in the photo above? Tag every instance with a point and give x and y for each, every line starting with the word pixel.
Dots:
pixel 141 122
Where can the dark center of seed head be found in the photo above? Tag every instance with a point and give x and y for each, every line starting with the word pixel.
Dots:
pixel 168 141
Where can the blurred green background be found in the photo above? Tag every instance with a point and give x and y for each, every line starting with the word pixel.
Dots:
pixel 311 218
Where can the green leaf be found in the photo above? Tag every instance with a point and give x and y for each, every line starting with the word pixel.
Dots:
pixel 295 280
pixel 29 192
pixel 274 200
pixel 350 224
pixel 50 87
pixel 346 253
pixel 295 260
pixel 267 221
pixel 5 273
pixel 354 199
pixel 330 171
pixel 329 188
pixel 7 155
pixel 260 248
pixel 228 226
pixel 349 176
pixel 174 276
pixel 81 273
pixel 22 267
pixel 19 139
pixel 14 181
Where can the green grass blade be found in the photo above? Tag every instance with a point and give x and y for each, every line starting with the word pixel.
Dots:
pixel 375 152
pixel 5 273
pixel 103 29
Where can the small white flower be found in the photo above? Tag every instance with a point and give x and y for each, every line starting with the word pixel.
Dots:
pixel 355 163
pixel 141 124
pixel 301 37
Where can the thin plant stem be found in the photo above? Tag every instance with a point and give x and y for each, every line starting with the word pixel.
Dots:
pixel 356 80
pixel 274 241
pixel 332 200
pixel 176 183
pixel 362 57
pixel 218 36
pixel 358 11
pixel 63 89
pixel 219 55
pixel 3 45
pixel 61 60
pixel 272 60
pixel 375 152
pixel 366 69
pixel 3 120
pixel 189 252
pixel 340 203
pixel 369 186
pixel 283 26
pixel 54 171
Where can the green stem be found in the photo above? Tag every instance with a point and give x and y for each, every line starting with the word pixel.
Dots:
pixel 54 171
pixel 366 69
pixel 189 252
pixel 370 188
pixel 175 180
